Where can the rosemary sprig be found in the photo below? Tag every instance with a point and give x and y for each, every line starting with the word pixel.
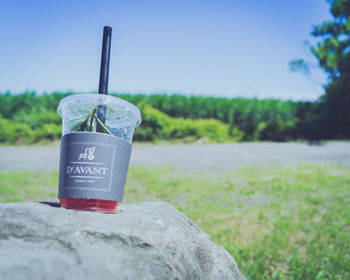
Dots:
pixel 92 118
pixel 102 126
pixel 94 125
pixel 81 126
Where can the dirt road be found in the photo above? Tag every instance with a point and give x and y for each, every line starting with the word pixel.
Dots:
pixel 190 157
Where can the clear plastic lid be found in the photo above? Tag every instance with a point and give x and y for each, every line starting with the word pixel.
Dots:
pixel 120 116
pixel 119 112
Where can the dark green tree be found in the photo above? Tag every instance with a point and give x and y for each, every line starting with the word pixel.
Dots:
pixel 333 54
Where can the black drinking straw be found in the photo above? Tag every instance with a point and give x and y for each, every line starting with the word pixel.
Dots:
pixel 104 70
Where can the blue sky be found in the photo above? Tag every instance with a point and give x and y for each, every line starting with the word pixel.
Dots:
pixel 219 48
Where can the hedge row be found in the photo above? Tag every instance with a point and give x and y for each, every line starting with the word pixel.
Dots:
pixel 33 126
pixel 29 117
pixel 159 126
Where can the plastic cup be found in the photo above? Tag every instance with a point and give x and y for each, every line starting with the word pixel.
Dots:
pixel 119 116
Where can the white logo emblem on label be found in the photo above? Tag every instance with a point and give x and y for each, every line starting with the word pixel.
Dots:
pixel 85 170
pixel 89 154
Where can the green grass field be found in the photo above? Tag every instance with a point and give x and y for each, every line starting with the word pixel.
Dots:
pixel 278 223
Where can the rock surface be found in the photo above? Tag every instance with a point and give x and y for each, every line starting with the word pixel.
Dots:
pixel 150 240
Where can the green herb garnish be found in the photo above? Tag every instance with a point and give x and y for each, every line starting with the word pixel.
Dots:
pixel 91 123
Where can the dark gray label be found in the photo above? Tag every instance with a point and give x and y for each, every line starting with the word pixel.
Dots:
pixel 93 165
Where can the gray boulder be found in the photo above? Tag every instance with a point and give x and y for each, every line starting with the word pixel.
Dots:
pixel 150 240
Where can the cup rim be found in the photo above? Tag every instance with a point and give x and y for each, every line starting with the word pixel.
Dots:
pixel 102 99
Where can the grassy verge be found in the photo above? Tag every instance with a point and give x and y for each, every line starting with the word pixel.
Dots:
pixel 278 223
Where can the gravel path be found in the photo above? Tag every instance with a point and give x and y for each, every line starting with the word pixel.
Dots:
pixel 190 157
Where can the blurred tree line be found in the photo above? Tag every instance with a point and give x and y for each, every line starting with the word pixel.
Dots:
pixel 30 118
pixel 330 117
